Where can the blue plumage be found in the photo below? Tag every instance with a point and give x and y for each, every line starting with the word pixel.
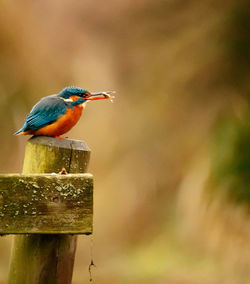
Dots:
pixel 49 109
pixel 45 112
pixel 72 91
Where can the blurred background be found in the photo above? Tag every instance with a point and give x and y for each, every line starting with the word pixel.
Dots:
pixel 171 155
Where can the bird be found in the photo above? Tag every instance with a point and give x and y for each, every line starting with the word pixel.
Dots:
pixel 55 115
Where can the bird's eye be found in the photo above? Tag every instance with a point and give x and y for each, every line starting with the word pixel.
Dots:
pixel 84 95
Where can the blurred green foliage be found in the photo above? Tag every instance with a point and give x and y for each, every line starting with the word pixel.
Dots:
pixel 231 157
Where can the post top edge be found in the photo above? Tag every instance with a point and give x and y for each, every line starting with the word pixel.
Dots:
pixel 61 143
pixel 47 175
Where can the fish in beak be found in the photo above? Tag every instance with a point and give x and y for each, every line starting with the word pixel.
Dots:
pixel 100 96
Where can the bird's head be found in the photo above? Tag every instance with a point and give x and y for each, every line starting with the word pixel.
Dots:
pixel 76 93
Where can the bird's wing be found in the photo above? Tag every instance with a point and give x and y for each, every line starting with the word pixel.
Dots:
pixel 45 112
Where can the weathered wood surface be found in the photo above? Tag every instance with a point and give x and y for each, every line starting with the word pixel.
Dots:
pixel 46 204
pixel 47 155
pixel 47 258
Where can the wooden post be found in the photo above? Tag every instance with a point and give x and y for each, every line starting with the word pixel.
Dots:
pixel 47 258
pixel 46 204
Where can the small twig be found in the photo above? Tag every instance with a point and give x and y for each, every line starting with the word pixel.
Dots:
pixel 90 272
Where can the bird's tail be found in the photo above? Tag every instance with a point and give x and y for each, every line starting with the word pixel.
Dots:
pixel 20 131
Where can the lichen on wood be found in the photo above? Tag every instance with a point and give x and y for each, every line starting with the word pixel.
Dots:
pixel 49 257
pixel 42 203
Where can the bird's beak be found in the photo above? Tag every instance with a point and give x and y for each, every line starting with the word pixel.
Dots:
pixel 100 96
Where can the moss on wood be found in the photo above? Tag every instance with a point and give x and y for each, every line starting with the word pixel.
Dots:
pixel 46 204
pixel 49 258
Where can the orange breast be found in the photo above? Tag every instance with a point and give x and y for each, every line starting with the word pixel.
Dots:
pixel 63 124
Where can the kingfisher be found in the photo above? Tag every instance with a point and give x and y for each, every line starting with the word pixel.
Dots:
pixel 56 114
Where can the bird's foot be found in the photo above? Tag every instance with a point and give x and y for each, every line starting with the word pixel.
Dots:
pixel 60 137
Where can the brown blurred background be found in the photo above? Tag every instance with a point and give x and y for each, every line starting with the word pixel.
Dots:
pixel 171 155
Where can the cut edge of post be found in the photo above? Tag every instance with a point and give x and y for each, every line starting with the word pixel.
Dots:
pixel 65 143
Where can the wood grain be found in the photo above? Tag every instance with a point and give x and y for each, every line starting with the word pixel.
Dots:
pixel 46 204
pixel 48 258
